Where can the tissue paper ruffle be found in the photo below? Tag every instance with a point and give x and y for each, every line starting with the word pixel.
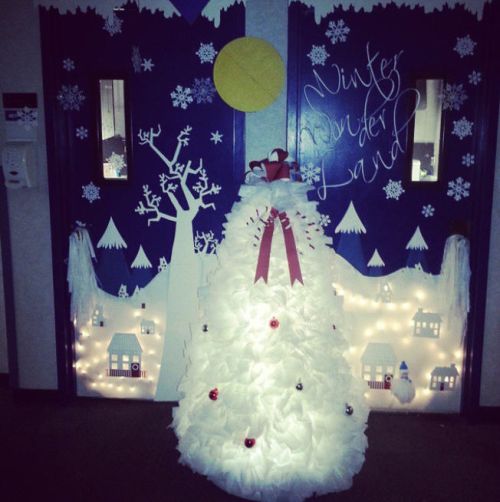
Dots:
pixel 305 441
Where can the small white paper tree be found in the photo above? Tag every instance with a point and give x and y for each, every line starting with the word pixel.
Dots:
pixel 122 292
pixel 205 243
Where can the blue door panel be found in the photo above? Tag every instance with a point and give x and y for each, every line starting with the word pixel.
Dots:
pixel 169 48
pixel 351 101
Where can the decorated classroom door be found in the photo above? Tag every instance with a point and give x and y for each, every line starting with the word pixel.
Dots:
pixel 385 125
pixel 385 120
pixel 145 195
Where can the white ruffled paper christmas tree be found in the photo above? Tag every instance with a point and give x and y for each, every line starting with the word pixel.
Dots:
pixel 271 410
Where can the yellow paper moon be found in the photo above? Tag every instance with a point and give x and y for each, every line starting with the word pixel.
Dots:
pixel 249 74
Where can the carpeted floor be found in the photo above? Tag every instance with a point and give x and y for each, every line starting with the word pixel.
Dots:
pixel 101 450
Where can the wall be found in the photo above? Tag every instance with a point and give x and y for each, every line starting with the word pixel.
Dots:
pixel 29 208
pixel 3 332
pixel 490 376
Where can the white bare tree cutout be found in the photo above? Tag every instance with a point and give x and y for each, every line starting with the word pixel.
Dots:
pixel 187 189
pixel 205 243
pixel 176 176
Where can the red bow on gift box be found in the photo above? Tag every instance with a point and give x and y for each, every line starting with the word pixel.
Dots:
pixel 276 167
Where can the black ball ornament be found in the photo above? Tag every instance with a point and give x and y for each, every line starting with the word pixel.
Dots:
pixel 205 328
pixel 299 386
pixel 349 410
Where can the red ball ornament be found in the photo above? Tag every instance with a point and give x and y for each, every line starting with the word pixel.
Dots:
pixel 274 323
pixel 249 442
pixel 214 394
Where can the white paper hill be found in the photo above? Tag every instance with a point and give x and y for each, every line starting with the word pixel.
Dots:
pixel 417 241
pixel 111 238
pixel 141 260
pixel 120 317
pixel 350 223
pixel 376 260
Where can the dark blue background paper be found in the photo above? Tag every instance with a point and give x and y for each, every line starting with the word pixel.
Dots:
pixel 395 45
pixel 171 45
pixel 416 44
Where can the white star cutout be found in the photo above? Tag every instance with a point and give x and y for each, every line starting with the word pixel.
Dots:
pixel 147 64
pixel 216 137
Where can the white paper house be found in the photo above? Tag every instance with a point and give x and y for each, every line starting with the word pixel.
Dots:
pixel 125 354
pixel 444 378
pixel 378 364
pixel 147 327
pixel 426 324
pixel 98 316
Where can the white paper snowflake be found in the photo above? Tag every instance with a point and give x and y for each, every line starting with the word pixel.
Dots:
pixel 465 46
pixel 324 220
pixel 70 97
pixel 310 173
pixel 216 137
pixel 206 53
pixel 428 211
pixel 475 77
pixel 117 162
pixel 136 59
pixel 393 190
pixel 147 64
pixel 181 97
pixel 91 192
pixel 462 128
pixel 82 132
pixel 468 159
pixel 458 188
pixel 113 25
pixel 27 117
pixel 337 31
pixel 68 64
pixel 203 90
pixel 453 96
pixel 318 55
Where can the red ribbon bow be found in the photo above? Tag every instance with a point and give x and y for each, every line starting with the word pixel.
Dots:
pixel 275 166
pixel 262 270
